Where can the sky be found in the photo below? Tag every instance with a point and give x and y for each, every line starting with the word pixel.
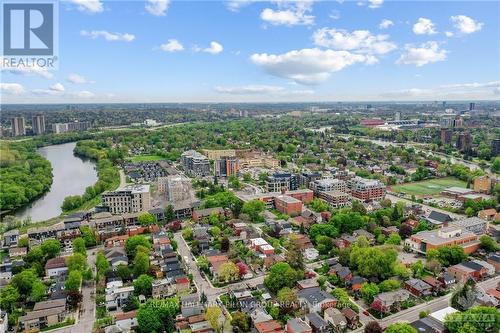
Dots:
pixel 260 51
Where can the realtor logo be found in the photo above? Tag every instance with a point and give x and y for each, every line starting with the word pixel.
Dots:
pixel 29 36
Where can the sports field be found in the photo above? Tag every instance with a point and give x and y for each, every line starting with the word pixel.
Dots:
pixel 146 158
pixel 428 187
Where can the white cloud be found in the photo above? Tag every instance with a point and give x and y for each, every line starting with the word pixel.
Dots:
pixel 250 89
pixel 78 79
pixel 57 87
pixel 449 34
pixel 289 14
pixel 465 24
pixel 308 66
pixel 11 88
pixel 109 36
pixel 421 55
pixel 215 48
pixel 90 6
pixel 375 3
pixel 157 7
pixel 236 5
pixel 173 45
pixel 424 26
pixel 496 91
pixel 334 15
pixel 358 40
pixel 385 23
pixel 451 91
pixel 84 94
pixel 27 71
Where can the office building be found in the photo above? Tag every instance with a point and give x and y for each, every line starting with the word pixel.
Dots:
pixel 127 199
pixel 226 166
pixel 18 126
pixel 38 124
pixel 366 189
pixel 281 181
pixel 195 164
pixel 464 142
pixel 495 147
pixel 446 135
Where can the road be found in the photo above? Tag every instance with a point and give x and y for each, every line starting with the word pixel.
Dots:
pixel 123 178
pixel 412 314
pixel 85 322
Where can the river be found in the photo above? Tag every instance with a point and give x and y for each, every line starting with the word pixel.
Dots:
pixel 71 176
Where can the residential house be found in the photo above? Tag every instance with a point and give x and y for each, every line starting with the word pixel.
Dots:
pixel 297 325
pixel 117 294
pixel 351 317
pixel 356 283
pixel 126 321
pixel 162 288
pixel 418 287
pixel 215 262
pixel 435 284
pixel 56 267
pixel 447 280
pixel 44 314
pixel 259 315
pixel 336 319
pixel 467 270
pixel 307 283
pixel 315 300
pixel 487 214
pixel 436 218
pixel 15 252
pixel 317 324
pixel 199 214
pixel 494 260
pixel 361 232
pixel 489 267
pixel 116 241
pixel 10 238
pixel 271 326
pixel 391 300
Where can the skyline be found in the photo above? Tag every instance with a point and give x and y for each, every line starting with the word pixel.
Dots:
pixel 161 51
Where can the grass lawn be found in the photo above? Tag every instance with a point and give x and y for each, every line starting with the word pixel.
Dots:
pixel 146 158
pixel 429 187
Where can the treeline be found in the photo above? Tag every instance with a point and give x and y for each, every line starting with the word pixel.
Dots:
pixel 25 175
pixel 108 175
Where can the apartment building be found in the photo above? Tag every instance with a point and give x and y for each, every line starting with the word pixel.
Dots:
pixel 127 199
pixel 288 205
pixel 424 241
pixel 282 181
pixel 18 125
pixel 336 199
pixel 195 164
pixel 306 178
pixel 38 124
pixel 329 184
pixel 226 166
pixel 366 189
pixel 75 126
pixel 178 188
pixel 483 184
pixel 216 154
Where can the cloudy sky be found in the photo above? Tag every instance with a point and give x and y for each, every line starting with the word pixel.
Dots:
pixel 210 51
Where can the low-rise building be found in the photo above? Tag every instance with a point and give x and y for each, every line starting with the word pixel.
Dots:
pixel 391 300
pixel 316 300
pixel 418 287
pixel 44 314
pixel 474 224
pixel 288 205
pixel 336 199
pixel 297 325
pixel 282 181
pixel 162 288
pixel 467 270
pixel 10 238
pixel 56 267
pixel 128 199
pixel 483 184
pixel 336 319
pixel 317 324
pixel 424 241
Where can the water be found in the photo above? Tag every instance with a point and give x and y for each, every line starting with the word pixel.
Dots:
pixel 71 176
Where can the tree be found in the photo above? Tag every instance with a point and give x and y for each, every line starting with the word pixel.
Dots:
pixel 158 315
pixel 369 291
pixel 319 205
pixel 241 322
pixel 451 255
pixel 347 222
pixel 215 231
pixel 400 328
pixel 378 261
pixel 9 296
pixel 488 243
pixel 224 244
pixel 38 290
pixel 433 266
pixel 133 242
pixel 282 275
pixel 389 285
pixel 73 281
pixel 294 253
pixel 143 285
pixel 187 234
pixel 169 213
pixel 287 299
pixel 228 271
pixel 51 248
pixel 123 272
pixel 393 239
pixel 417 269
pixel 213 316
pixel 464 297
pixel 373 327
pixel 102 264
pixel 253 209
pixel 131 303
pixel 242 268
pixel 79 246
pixel 24 280
pixel 88 236
pixel 482 318
pixel 146 219
pixel 328 230
pixel 76 262
pixel 405 231
pixel 141 263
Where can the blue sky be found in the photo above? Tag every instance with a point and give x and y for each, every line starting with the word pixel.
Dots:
pixel 210 51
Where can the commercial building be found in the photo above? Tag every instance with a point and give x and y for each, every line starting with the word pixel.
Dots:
pixel 38 124
pixel 366 189
pixel 281 181
pixel 18 125
pixel 483 184
pixel 336 199
pixel 446 135
pixel 424 241
pixel 473 224
pixel 226 166
pixel 216 154
pixel 128 199
pixel 288 205
pixel 195 164
pixel 328 184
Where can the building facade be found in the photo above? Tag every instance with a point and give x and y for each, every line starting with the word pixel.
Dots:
pixel 195 164
pixel 18 125
pixel 38 124
pixel 366 189
pixel 128 199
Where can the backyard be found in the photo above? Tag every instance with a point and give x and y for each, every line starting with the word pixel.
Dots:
pixel 429 187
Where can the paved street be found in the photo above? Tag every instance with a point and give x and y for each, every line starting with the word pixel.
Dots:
pixel 85 322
